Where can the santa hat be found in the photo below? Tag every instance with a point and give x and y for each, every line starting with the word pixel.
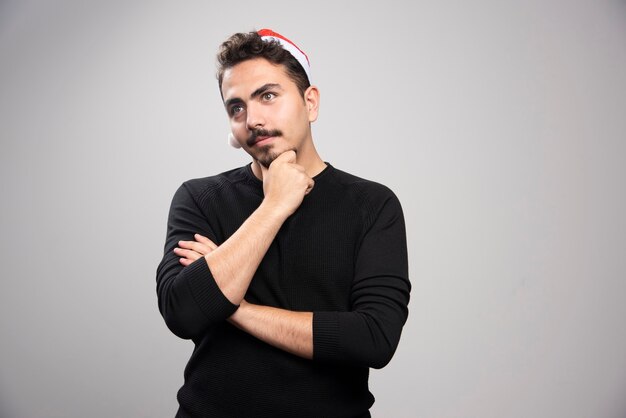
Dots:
pixel 270 35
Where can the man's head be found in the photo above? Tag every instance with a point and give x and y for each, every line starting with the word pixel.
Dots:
pixel 265 44
pixel 267 95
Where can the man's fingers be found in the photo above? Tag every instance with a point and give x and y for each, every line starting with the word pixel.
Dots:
pixel 286 157
pixel 196 246
pixel 190 251
pixel 188 254
pixel 291 156
pixel 310 186
pixel 204 240
pixel 185 261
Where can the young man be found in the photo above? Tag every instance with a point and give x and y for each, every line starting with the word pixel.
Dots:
pixel 289 275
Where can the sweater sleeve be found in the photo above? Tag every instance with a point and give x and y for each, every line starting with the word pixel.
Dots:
pixel 189 299
pixel 369 333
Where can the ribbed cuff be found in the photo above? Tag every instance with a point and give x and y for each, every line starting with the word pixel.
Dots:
pixel 325 335
pixel 207 293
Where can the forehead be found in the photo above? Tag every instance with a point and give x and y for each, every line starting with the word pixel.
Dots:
pixel 245 77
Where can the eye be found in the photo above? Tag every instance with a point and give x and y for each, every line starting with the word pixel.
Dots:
pixel 236 109
pixel 268 96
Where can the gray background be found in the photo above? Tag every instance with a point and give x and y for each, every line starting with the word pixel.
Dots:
pixel 499 124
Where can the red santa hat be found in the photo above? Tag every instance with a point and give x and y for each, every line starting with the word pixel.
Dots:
pixel 270 35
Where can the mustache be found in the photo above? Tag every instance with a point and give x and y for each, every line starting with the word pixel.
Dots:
pixel 261 132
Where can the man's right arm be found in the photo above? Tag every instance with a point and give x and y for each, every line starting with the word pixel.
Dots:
pixel 209 289
pixel 234 263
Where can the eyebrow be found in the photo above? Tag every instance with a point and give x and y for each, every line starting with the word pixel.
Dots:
pixel 258 92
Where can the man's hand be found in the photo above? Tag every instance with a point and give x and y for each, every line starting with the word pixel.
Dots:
pixel 190 251
pixel 286 183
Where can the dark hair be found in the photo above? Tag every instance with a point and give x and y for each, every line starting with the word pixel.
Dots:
pixel 245 46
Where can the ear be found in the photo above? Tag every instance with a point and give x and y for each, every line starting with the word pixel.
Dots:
pixel 312 102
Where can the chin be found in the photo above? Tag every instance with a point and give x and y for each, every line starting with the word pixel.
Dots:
pixel 266 155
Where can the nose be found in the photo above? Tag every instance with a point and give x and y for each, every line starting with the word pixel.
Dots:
pixel 254 116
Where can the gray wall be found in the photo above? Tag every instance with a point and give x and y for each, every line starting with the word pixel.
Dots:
pixel 499 124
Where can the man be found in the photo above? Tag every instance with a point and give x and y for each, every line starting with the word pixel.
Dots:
pixel 289 275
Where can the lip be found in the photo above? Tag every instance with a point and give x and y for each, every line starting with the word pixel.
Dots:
pixel 263 140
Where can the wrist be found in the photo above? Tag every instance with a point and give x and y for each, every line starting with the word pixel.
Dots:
pixel 236 318
pixel 274 210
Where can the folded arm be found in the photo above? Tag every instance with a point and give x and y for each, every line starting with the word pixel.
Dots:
pixel 369 333
pixel 201 291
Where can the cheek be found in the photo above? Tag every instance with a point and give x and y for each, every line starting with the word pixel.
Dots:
pixel 291 116
pixel 239 130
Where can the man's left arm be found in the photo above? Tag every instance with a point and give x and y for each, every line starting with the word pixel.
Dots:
pixel 369 333
pixel 290 331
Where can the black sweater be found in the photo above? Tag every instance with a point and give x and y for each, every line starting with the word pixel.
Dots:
pixel 342 255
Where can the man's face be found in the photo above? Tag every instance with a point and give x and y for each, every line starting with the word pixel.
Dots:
pixel 267 113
